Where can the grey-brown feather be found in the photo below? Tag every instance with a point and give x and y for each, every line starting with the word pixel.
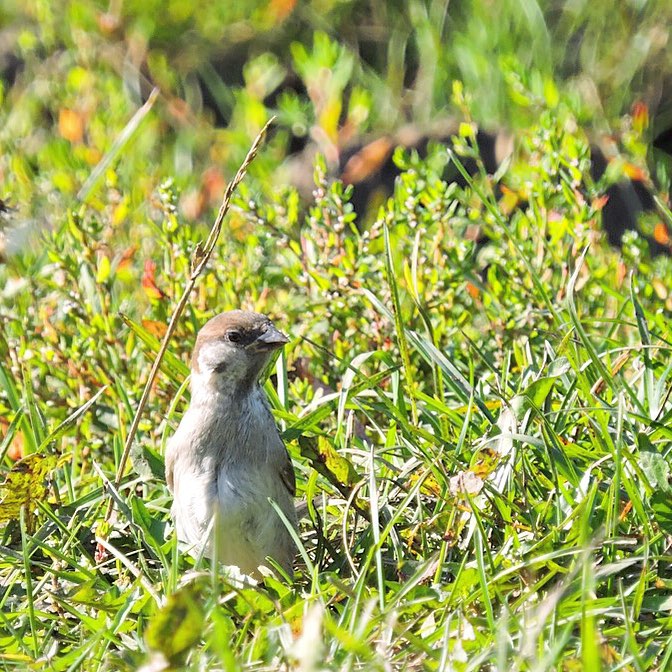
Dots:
pixel 227 459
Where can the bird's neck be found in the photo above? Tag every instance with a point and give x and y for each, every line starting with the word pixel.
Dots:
pixel 217 391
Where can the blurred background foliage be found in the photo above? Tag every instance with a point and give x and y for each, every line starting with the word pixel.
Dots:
pixel 73 73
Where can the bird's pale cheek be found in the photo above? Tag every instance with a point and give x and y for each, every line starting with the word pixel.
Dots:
pixel 215 357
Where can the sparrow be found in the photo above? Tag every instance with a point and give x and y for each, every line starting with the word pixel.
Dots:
pixel 226 458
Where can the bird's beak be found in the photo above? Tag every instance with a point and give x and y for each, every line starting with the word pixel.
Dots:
pixel 271 339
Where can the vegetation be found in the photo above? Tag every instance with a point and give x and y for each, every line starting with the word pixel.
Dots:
pixel 481 424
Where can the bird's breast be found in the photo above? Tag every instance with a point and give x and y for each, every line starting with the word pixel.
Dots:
pixel 227 451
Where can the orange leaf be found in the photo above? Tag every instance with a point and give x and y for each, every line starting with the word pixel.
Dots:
pixel 280 9
pixel 621 272
pixel 70 125
pixel 214 184
pixel 149 284
pixel 661 234
pixel 155 327
pixel 367 161
pixel 15 450
pixel 626 510
pixel 634 172
pixel 509 200
pixel 472 290
pixel 126 258
pixel 640 117
pixel 599 202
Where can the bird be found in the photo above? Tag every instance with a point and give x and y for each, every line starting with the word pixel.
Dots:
pixel 226 458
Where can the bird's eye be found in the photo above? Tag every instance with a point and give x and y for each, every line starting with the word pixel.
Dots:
pixel 233 336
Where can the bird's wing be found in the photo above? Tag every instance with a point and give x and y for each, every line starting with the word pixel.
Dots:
pixel 287 471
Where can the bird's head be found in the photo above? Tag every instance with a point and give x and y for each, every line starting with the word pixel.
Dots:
pixel 233 348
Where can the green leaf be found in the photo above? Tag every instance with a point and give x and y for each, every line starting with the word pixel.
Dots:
pixel 147 463
pixel 146 522
pixel 657 470
pixel 661 503
pixel 177 626
pixel 25 484
pixel 325 459
pixel 431 354
pixel 103 270
pixel 311 420
pixel 535 393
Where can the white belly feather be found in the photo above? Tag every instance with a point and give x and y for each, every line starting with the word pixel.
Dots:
pixel 229 490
